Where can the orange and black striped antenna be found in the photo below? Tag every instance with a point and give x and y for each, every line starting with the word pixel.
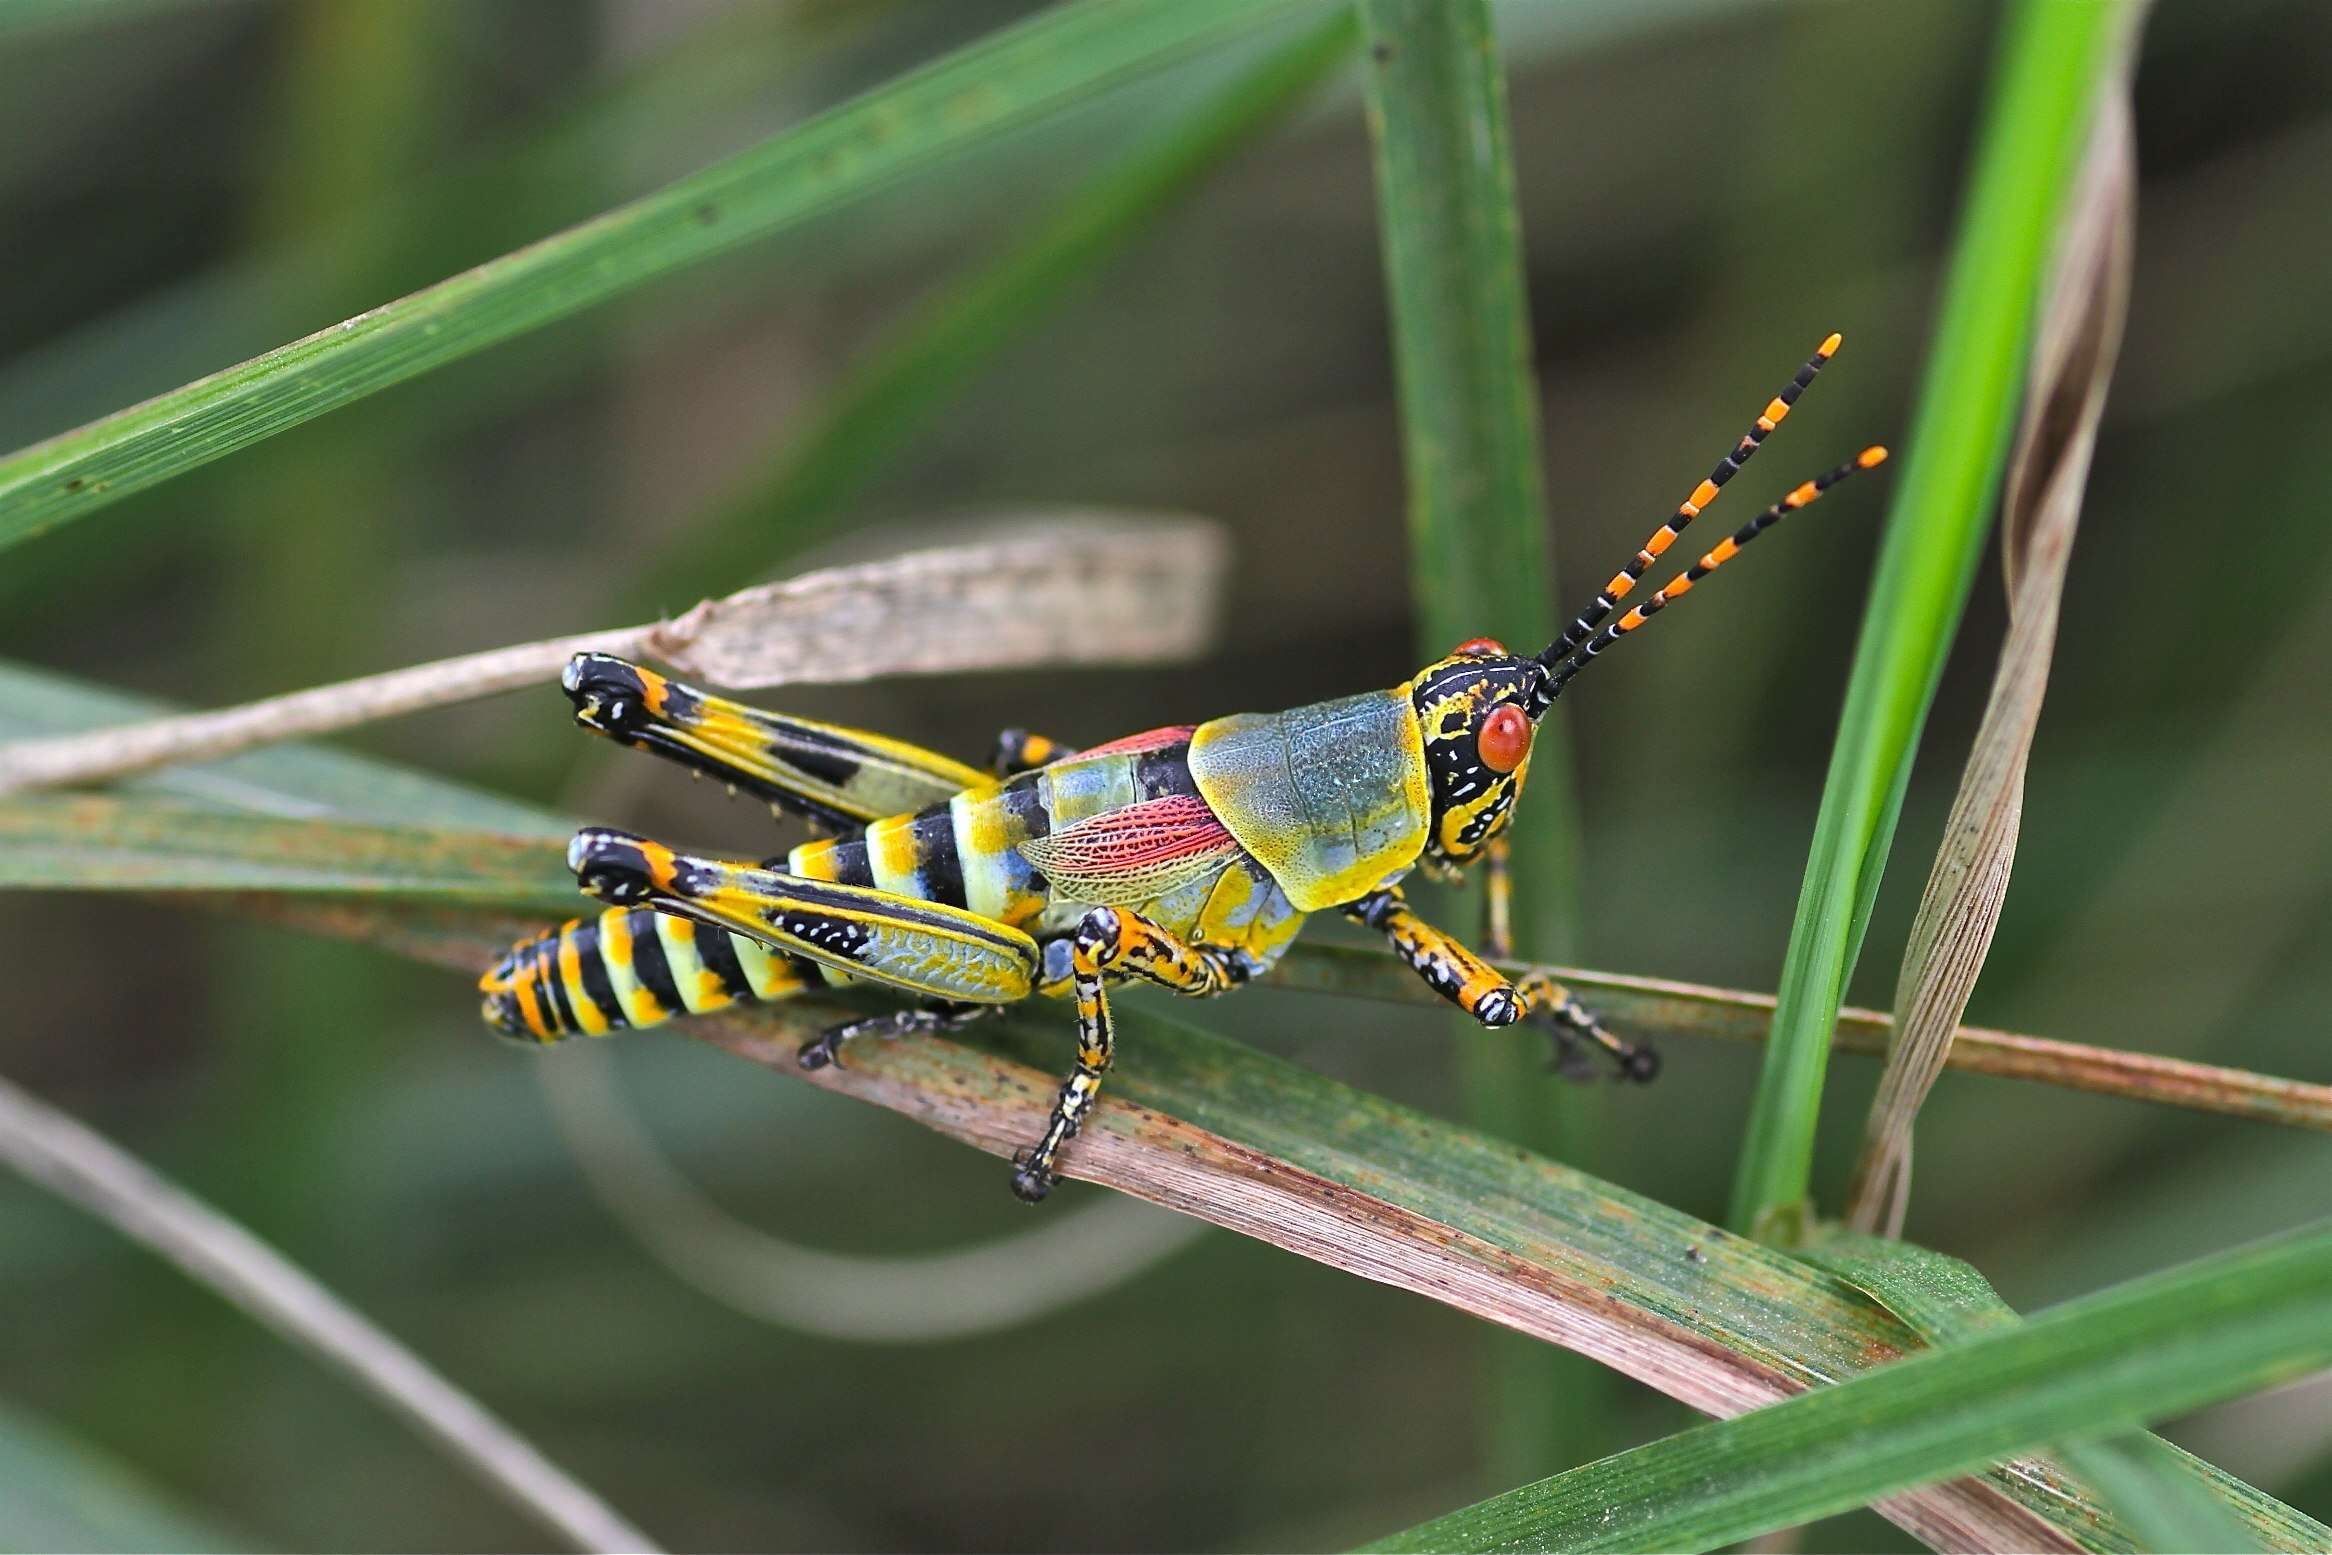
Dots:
pixel 1776 410
pixel 1723 551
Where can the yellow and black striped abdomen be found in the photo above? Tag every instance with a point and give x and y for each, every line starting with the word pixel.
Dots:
pixel 964 853
pixel 631 967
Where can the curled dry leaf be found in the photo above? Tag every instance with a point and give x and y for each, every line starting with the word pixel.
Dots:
pixel 1077 588
pixel 2073 355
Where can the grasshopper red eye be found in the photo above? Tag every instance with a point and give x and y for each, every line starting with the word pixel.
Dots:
pixel 1479 648
pixel 1505 738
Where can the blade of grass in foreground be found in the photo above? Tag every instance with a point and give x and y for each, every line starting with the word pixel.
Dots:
pixel 2210 1330
pixel 943 109
pixel 2053 57
pixel 1717 1321
pixel 2171 1499
pixel 1478 555
pixel 1712 1319
pixel 1214 1129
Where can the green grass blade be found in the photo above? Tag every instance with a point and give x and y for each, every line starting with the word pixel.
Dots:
pixel 57 1493
pixel 941 110
pixel 1215 1129
pixel 2170 1499
pixel 2213 1329
pixel 296 780
pixel 93 843
pixel 2053 57
pixel 1711 1318
pixel 1478 553
pixel 884 403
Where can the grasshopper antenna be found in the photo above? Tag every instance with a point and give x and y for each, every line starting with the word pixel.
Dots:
pixel 1776 411
pixel 1723 551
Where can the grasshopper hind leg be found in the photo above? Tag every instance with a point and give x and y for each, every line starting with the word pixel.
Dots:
pixel 827 1045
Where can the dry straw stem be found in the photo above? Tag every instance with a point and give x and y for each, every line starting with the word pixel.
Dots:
pixel 1089 587
pixel 2079 335
pixel 1659 1006
pixel 83 1167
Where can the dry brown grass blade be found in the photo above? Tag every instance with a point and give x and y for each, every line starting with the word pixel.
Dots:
pixel 1661 1007
pixel 1708 1318
pixel 2073 356
pixel 1088 588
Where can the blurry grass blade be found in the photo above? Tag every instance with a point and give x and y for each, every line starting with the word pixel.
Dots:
pixel 60 1494
pixel 1096 589
pixel 2170 1499
pixel 89 843
pixel 895 390
pixel 1214 1129
pixel 300 781
pixel 2160 1493
pixel 2079 336
pixel 1661 1007
pixel 88 1170
pixel 2210 1330
pixel 1479 560
pixel 1024 1277
pixel 2037 122
pixel 945 108
pixel 505 187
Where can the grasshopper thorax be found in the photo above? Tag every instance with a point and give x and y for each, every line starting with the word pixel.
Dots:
pixel 1475 711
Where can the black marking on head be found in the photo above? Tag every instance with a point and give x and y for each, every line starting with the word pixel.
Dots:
pixel 1472 801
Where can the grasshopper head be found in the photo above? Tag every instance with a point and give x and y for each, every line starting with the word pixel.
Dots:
pixel 1476 711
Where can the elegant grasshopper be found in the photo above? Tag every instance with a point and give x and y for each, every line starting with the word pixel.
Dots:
pixel 1186 857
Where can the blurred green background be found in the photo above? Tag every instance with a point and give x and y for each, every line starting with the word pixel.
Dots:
pixel 1707 187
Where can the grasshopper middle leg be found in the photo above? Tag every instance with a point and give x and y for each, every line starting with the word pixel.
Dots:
pixel 1483 992
pixel 1111 942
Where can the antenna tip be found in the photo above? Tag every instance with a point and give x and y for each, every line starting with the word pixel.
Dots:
pixel 1830 346
pixel 1874 454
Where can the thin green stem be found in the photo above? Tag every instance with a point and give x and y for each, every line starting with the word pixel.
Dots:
pixel 1478 545
pixel 2053 56
pixel 966 99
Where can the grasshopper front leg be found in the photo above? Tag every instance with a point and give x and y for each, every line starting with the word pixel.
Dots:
pixel 1111 941
pixel 1484 993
